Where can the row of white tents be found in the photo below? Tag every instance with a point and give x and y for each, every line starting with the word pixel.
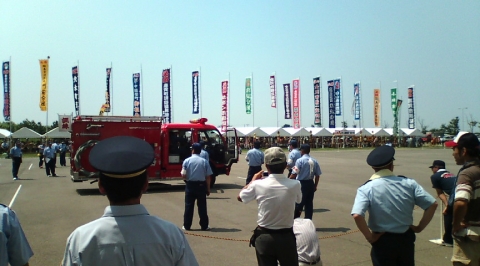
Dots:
pixel 27 133
pixel 323 132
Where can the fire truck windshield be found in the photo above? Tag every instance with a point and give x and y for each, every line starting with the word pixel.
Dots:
pixel 213 137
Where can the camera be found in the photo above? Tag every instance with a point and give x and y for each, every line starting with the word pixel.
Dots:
pixel 265 173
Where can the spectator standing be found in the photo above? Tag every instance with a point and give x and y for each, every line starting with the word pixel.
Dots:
pixel 390 200
pixel 14 247
pixel 255 160
pixel 276 195
pixel 444 184
pixel 466 207
pixel 126 234
pixel 49 155
pixel 16 155
pixel 307 171
pixel 196 172
pixel 308 246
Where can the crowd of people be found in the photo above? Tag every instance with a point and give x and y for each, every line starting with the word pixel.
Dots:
pixel 127 235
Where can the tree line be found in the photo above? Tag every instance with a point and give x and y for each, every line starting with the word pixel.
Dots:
pixel 31 124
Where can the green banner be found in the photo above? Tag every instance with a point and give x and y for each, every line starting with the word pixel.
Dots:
pixel 248 95
pixel 393 102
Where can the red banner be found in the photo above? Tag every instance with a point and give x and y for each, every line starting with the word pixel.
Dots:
pixel 224 105
pixel 296 103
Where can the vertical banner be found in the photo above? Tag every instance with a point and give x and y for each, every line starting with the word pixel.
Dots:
pixel 338 97
pixel 316 102
pixel 6 90
pixel 287 101
pixel 166 101
pixel 65 123
pixel 411 109
pixel 331 104
pixel 296 103
pixel 136 94
pixel 393 103
pixel 248 95
pixel 107 92
pixel 356 99
pixel 195 93
pixel 44 85
pixel 376 107
pixel 224 105
pixel 76 94
pixel 273 92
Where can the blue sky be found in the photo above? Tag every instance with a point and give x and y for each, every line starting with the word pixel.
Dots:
pixel 434 45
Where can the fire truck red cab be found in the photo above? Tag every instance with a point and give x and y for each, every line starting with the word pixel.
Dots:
pixel 170 141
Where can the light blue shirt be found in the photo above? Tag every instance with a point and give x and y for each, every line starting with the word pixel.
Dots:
pixel 49 152
pixel 14 247
pixel 196 168
pixel 128 235
pixel 293 156
pixel 390 201
pixel 306 168
pixel 16 152
pixel 255 157
pixel 205 155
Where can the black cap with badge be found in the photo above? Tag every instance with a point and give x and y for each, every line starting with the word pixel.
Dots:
pixel 381 156
pixel 121 157
pixel 439 163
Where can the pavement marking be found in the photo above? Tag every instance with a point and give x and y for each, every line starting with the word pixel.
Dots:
pixel 14 196
pixel 30 166
pixel 241 177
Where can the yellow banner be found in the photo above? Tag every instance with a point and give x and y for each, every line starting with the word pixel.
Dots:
pixel 44 85
pixel 376 107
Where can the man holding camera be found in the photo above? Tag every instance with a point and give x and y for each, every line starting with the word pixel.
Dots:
pixel 274 239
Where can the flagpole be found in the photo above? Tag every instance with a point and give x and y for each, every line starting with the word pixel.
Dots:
pixel 111 91
pixel 228 100
pixel 342 101
pixel 361 105
pixel 171 94
pixel 78 85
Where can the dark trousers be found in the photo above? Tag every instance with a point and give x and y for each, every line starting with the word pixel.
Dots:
pixel 394 249
pixel 63 162
pixel 448 225
pixel 16 162
pixel 252 170
pixel 50 167
pixel 40 163
pixel 280 246
pixel 308 192
pixel 195 191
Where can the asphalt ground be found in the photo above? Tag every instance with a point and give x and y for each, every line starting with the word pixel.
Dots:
pixel 49 208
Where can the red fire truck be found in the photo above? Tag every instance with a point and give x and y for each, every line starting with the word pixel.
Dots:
pixel 170 141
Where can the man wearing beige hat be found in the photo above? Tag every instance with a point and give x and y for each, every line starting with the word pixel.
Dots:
pixel 276 195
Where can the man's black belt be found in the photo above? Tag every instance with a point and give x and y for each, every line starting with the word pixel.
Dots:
pixel 276 231
pixel 196 181
pixel 310 263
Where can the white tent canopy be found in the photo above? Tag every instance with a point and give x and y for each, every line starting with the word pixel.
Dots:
pixel 249 131
pixel 4 133
pixel 57 134
pixel 273 131
pixel 412 132
pixel 26 133
pixel 297 132
pixel 379 132
pixel 318 131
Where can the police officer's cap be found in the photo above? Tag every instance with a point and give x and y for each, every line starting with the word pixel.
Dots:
pixel 305 148
pixel 381 156
pixel 197 147
pixel 121 157
pixel 293 142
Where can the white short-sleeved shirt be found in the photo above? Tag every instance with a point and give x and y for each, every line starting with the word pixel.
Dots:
pixel 128 235
pixel 308 246
pixel 276 196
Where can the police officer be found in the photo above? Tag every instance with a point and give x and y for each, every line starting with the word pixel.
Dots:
pixel 49 156
pixel 16 155
pixel 293 156
pixel 203 152
pixel 255 159
pixel 40 149
pixel 14 246
pixel 196 172
pixel 63 151
pixel 390 200
pixel 307 171
pixel 444 184
pixel 126 234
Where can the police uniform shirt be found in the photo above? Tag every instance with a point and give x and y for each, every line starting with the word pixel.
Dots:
pixel 16 152
pixel 276 196
pixel 443 180
pixel 14 247
pixel 196 168
pixel 204 155
pixel 306 168
pixel 390 200
pixel 49 152
pixel 293 156
pixel 254 157
pixel 110 240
